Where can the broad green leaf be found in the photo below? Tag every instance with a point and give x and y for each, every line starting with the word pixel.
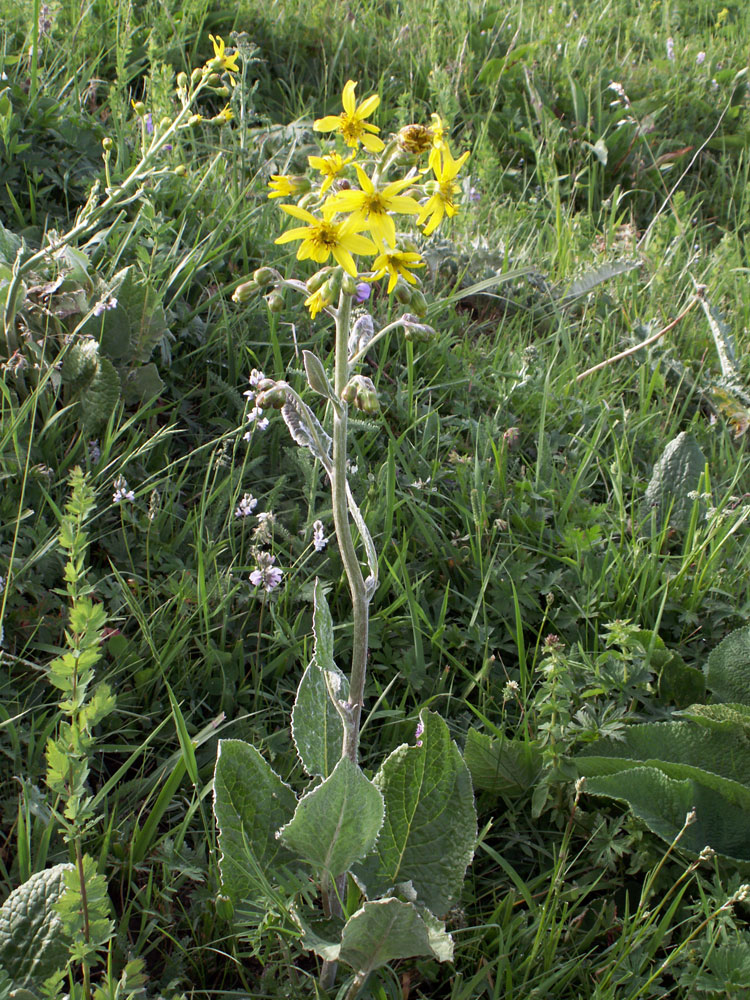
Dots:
pixel 336 823
pixel 675 476
pixel 499 765
pixel 141 384
pixel 719 716
pixel 678 683
pixel 382 931
pixel 663 802
pixel 250 803
pixel 317 728
pixel 32 943
pixel 717 758
pixel 80 363
pixel 100 396
pixel 316 375
pixel 430 821
pixel 388 929
pixel 729 668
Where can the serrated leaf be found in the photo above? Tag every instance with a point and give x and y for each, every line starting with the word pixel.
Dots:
pixel 338 822
pixel 142 384
pixel 100 396
pixel 384 930
pixel 316 375
pixel 589 281
pixel 499 765
pixel 430 824
pixel 728 674
pixel 33 945
pixel 80 363
pixel 250 803
pixel 676 474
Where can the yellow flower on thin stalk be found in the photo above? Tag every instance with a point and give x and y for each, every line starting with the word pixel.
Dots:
pixel 441 202
pixel 221 62
pixel 371 206
pixel 438 132
pixel 225 115
pixel 287 185
pixel 317 302
pixel 396 263
pixel 330 166
pixel 322 238
pixel 351 122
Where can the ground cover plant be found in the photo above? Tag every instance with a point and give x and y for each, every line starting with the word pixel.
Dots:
pixel 538 503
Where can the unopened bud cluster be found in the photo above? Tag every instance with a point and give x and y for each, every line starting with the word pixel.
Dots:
pixel 361 393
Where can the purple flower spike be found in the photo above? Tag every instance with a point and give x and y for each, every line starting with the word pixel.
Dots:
pixel 363 292
pixel 149 124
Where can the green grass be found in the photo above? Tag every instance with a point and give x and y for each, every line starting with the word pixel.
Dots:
pixel 505 498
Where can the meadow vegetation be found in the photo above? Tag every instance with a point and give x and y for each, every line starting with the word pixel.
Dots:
pixel 561 534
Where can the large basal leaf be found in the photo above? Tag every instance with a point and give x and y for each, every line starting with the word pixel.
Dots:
pixel 141 384
pixel 336 823
pixel 430 821
pixel 131 330
pixel 676 474
pixel 499 765
pixel 718 758
pixel 32 943
pixel 250 803
pixel 719 716
pixel 317 729
pixel 729 668
pixel 100 396
pixel 382 931
pixel 663 802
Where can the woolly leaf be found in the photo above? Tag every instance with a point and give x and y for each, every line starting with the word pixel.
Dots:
pixel 336 823
pixel 501 766
pixel 250 803
pixel 430 821
pixel 33 944
pixel 100 396
pixel 728 674
pixel 675 475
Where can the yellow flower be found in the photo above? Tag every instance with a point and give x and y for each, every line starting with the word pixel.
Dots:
pixel 317 302
pixel 285 185
pixel 351 122
pixel 323 237
pixel 416 139
pixel 438 132
pixel 330 166
pixel 225 115
pixel 395 263
pixel 371 205
pixel 440 203
pixel 221 61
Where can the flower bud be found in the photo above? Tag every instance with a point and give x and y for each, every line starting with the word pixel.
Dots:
pixel 182 81
pixel 165 122
pixel 271 399
pixel 264 276
pixel 275 302
pixel 196 76
pixel 403 292
pixel 214 65
pixel 334 283
pixel 418 302
pixel 318 279
pixel 307 199
pixel 107 143
pixel 349 284
pixel 245 291
pixel 414 330
pixel 361 393
pixel 222 91
pixel 140 109
pixel 265 384
pixel 195 119
pixel 213 80
pixel 181 170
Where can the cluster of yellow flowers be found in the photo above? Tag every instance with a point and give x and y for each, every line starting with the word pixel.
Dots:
pixel 359 221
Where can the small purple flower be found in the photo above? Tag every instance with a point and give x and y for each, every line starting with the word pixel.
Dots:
pixel 149 122
pixel 670 49
pixel 266 575
pixel 247 505
pixel 419 732
pixel 362 293
pixel 122 491
pixel 104 305
pixel 474 194
pixel 319 539
pixel 700 58
pixel 95 452
pixel 255 416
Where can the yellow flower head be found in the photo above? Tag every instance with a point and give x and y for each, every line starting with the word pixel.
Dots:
pixel 287 185
pixel 330 166
pixel 221 62
pixel 225 115
pixel 318 301
pixel 371 206
pixel 441 203
pixel 351 122
pixel 438 132
pixel 395 263
pixel 415 139
pixel 323 237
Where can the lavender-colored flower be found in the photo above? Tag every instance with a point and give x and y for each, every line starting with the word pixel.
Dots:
pixel 149 123
pixel 474 194
pixel 122 491
pixel 362 293
pixel 670 49
pixel 319 539
pixel 246 506
pixel 104 305
pixel 700 58
pixel 418 733
pixel 95 452
pixel 266 575
pixel 255 417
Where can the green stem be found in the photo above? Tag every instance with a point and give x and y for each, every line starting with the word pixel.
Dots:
pixel 34 50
